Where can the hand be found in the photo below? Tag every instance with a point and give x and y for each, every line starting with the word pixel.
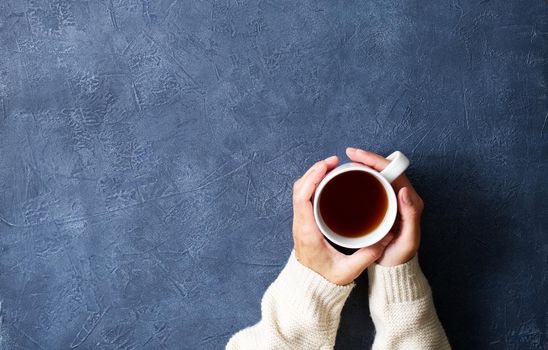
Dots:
pixel 311 249
pixel 407 229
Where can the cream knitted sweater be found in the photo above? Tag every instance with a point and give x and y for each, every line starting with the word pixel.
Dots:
pixel 301 310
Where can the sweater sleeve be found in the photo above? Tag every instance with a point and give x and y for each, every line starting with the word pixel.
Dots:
pixel 402 309
pixel 300 310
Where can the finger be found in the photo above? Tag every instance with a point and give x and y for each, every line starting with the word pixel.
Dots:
pixel 410 209
pixel 311 179
pixel 302 207
pixel 364 257
pixel 308 171
pixel 376 162
pixel 371 159
pixel 330 162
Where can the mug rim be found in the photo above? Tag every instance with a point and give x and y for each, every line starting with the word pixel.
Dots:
pixel 379 232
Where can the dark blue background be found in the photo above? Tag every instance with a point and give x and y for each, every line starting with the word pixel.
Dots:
pixel 148 148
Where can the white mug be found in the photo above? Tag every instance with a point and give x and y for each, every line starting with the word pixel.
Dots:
pixel 398 164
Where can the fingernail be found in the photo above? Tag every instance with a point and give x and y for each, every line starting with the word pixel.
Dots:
pixel 351 149
pixel 330 158
pixel 407 197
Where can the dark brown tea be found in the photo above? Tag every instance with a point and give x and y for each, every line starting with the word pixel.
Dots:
pixel 353 203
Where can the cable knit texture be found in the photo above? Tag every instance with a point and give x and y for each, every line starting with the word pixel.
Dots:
pixel 301 310
pixel 401 305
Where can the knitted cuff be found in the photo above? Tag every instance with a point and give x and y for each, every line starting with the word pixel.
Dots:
pixel 305 290
pixel 397 284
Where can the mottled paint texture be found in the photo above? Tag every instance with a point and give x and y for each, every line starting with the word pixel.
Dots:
pixel 148 148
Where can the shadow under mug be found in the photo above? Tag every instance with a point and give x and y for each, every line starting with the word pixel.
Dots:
pixel 398 164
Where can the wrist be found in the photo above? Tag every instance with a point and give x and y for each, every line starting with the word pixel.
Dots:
pixel 304 291
pixel 323 266
pixel 388 261
pixel 397 284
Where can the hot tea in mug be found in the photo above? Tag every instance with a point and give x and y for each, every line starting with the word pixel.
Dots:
pixel 355 206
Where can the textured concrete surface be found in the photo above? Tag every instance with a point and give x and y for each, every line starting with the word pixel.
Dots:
pixel 147 152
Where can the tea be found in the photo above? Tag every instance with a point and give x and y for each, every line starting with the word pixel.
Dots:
pixel 353 203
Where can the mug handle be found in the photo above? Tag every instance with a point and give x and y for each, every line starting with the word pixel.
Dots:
pixel 396 167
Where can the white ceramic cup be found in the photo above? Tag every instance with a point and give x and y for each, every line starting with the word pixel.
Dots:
pixel 398 164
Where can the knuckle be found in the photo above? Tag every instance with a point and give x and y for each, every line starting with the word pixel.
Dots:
pixel 417 208
pixel 420 204
pixel 297 197
pixel 321 165
pixel 296 185
pixel 414 212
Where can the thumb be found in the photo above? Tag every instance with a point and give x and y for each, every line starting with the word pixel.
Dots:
pixel 364 257
pixel 410 209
